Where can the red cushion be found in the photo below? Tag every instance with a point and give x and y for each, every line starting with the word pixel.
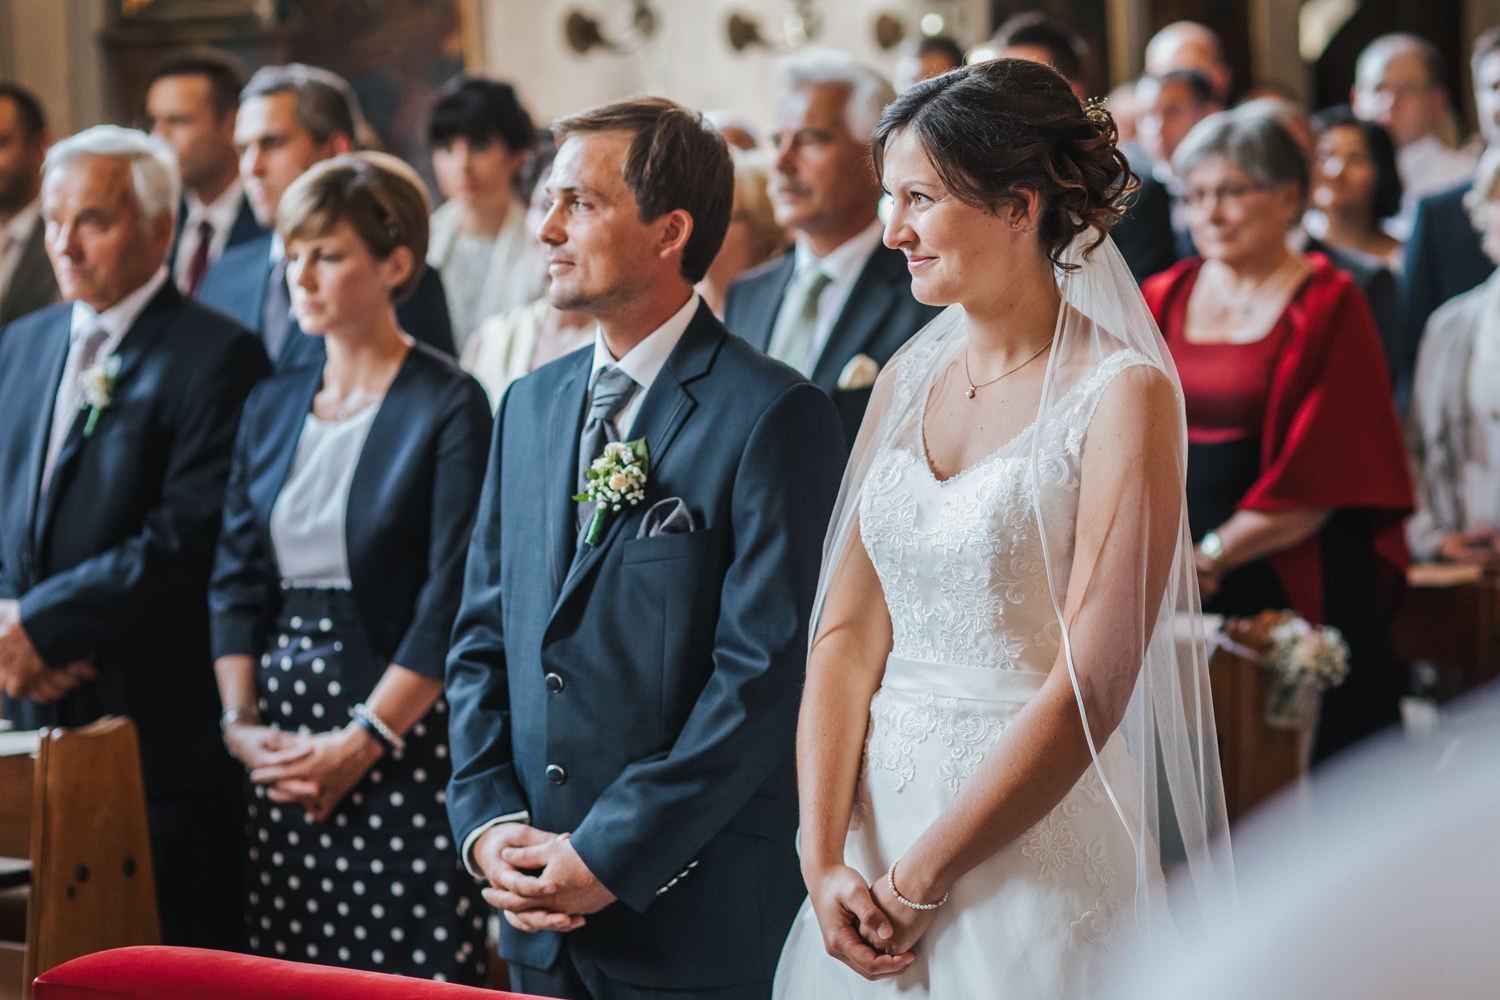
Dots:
pixel 191 973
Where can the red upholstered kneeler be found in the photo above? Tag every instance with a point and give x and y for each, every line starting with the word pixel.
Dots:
pixel 194 973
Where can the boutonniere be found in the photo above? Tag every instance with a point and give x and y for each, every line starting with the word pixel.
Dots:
pixel 98 384
pixel 616 480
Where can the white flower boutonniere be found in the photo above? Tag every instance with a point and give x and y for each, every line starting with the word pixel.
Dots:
pixel 616 480
pixel 98 385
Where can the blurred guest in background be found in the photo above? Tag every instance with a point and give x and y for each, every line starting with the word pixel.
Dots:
pixel 1297 479
pixel 753 237
pixel 1356 186
pixel 1194 46
pixel 481 139
pixel 737 129
pixel 335 586
pixel 927 57
pixel 26 279
pixel 1455 415
pixel 510 345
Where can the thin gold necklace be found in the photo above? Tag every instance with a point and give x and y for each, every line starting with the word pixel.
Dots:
pixel 975 387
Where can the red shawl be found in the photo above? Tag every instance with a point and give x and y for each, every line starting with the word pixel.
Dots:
pixel 1331 437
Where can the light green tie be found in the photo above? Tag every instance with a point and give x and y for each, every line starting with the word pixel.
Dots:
pixel 798 323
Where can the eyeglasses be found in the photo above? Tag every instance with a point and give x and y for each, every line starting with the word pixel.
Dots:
pixel 1232 193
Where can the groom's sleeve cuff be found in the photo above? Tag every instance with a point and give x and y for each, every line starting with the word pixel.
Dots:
pixel 466 853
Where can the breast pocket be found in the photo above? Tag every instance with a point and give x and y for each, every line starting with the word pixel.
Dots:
pixel 662 548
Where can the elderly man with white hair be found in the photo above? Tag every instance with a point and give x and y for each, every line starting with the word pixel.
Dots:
pixel 118 410
pixel 839 304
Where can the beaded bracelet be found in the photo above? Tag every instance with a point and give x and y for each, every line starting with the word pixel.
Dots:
pixel 890 880
pixel 373 724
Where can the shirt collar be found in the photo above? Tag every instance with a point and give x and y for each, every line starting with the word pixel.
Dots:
pixel 118 318
pixel 20 225
pixel 844 262
pixel 220 212
pixel 645 360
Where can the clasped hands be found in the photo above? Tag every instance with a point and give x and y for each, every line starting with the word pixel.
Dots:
pixel 23 672
pixel 865 926
pixel 1475 548
pixel 536 878
pixel 313 770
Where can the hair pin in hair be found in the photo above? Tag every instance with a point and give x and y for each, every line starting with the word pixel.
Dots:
pixel 1096 110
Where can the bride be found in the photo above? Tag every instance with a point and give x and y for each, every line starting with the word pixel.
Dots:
pixel 1004 728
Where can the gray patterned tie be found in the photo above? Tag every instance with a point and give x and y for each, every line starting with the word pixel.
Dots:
pixel 797 324
pixel 612 390
pixel 276 313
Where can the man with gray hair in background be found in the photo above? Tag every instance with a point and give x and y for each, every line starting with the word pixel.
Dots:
pixel 118 411
pixel 839 304
pixel 1398 85
pixel 291 117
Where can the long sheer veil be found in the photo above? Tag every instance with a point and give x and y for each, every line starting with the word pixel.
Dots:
pixel 1174 810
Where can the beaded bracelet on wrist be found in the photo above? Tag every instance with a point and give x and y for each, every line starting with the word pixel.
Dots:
pixel 890 880
pixel 377 727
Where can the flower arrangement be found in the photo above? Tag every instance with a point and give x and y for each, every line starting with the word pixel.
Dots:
pixel 1305 660
pixel 98 389
pixel 615 480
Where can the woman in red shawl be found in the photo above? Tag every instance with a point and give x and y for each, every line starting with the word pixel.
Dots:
pixel 1297 479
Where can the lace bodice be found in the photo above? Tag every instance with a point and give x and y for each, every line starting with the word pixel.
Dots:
pixel 960 560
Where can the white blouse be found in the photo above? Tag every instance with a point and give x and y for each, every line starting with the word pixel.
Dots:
pixel 1481 473
pixel 307 520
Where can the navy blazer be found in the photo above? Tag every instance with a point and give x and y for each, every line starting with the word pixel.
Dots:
pixel 409 515
pixel 1144 234
pixel 1444 258
pixel 879 316
pixel 236 285
pixel 642 693
pixel 244 229
pixel 32 284
pixel 114 561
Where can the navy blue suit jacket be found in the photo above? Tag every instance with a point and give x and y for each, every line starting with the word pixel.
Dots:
pixel 1444 258
pixel 661 675
pixel 236 285
pixel 114 561
pixel 879 316
pixel 408 521
pixel 32 284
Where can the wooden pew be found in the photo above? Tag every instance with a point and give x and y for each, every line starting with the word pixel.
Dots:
pixel 1257 760
pixel 1450 618
pixel 73 831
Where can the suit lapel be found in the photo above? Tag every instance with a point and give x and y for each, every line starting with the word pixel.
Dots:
pixel 761 320
pixel 667 406
pixel 134 348
pixel 54 358
pixel 33 271
pixel 565 421
pixel 866 308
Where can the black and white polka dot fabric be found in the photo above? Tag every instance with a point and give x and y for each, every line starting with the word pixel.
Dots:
pixel 378 885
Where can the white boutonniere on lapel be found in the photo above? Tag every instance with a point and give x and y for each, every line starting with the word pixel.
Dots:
pixel 616 480
pixel 98 385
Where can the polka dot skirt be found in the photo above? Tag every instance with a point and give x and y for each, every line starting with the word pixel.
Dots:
pixel 377 885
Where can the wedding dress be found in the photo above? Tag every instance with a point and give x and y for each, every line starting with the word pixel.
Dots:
pixel 962 568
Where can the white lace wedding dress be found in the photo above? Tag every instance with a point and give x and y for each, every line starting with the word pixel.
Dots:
pixel 961 566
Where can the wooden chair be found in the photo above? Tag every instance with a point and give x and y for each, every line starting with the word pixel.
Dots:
pixel 78 856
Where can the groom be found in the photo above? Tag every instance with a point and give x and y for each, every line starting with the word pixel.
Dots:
pixel 624 684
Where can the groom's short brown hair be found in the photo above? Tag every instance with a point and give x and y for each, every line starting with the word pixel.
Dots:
pixel 676 160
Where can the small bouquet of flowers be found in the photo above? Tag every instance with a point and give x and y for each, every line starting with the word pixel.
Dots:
pixel 98 390
pixel 1305 660
pixel 616 480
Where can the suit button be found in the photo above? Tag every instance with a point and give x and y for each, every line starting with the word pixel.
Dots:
pixel 556 774
pixel 554 682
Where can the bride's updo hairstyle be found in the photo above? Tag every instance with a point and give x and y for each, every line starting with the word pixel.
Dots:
pixel 1003 126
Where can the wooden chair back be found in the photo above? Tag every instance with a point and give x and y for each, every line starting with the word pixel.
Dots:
pixel 85 837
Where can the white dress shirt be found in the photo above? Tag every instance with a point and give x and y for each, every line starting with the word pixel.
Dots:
pixel 13 237
pixel 115 321
pixel 1426 166
pixel 308 517
pixel 643 363
pixel 221 214
pixel 842 266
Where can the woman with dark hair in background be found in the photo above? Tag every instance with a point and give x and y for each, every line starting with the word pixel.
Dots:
pixel 1297 478
pixel 481 140
pixel 1356 187
pixel 338 575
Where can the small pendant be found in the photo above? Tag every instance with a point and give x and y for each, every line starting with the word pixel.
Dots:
pixel 969 392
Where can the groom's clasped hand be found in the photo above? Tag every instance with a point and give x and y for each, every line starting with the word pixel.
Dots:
pixel 864 926
pixel 537 879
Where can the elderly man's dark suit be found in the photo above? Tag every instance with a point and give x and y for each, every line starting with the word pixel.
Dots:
pixel 236 286
pixel 642 693
pixel 32 284
pixel 879 316
pixel 112 562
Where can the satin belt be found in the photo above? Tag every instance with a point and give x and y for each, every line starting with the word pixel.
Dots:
pixel 947 680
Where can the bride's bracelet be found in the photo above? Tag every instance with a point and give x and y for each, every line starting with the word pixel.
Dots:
pixel 890 880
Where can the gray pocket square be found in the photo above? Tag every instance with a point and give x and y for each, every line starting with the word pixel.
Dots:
pixel 666 517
